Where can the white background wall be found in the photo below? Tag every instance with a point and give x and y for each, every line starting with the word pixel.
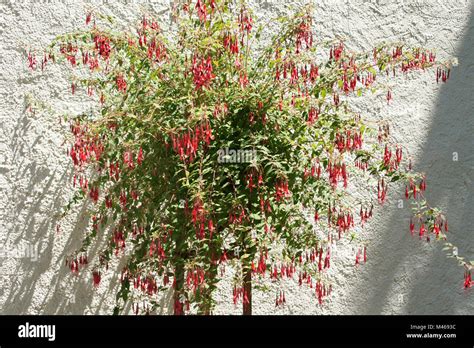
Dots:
pixel 432 120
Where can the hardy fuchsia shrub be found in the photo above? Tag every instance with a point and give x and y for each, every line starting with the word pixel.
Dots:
pixel 206 151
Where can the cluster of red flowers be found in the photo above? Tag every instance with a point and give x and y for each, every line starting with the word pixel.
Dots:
pixel 187 144
pixel 419 61
pixel 443 74
pixel 392 162
pixel 280 300
pixel 315 170
pixel 438 224
pixel 336 51
pixel 245 21
pixel 344 222
pixel 413 188
pixel 195 278
pixel 102 45
pixel 121 83
pixel 285 271
pixel 349 141
pixel 281 190
pixel 69 51
pixel 237 216
pixel 365 214
pixel 295 73
pixel 262 264
pixel 239 293
pixel 94 194
pixel 202 9
pixel 146 284
pixel 202 72
pixel 156 51
pixel 251 178
pixel 231 43
pixel 84 147
pixel 118 240
pixel 75 263
pixel 337 172
pixel 304 34
pixel 322 290
pixel 156 248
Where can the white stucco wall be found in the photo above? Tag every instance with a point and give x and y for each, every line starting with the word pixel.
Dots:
pixel 433 121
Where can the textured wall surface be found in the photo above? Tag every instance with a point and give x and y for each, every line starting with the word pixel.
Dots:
pixel 402 275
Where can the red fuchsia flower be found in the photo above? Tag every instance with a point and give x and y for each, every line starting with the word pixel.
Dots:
pixel 365 254
pixel 316 216
pixel 399 154
pixel 245 21
pixel 108 202
pixel 31 61
pixel 43 62
pixel 88 17
pixel 436 229
pixel 96 278
pixel 443 74
pixel 243 80
pixel 412 226
pixel 94 194
pixel 387 156
pixel 467 279
pixel 93 63
pixel 140 156
pixel 202 72
pixel 389 96
pixel 128 159
pixel 102 44
pixel 74 266
pixel 382 189
pixel 327 260
pixel 336 51
pixel 312 115
pixel 202 10
pixel 211 228
pixel 121 84
pixel 423 185
pixel 85 58
pixel 422 230
pixel 281 190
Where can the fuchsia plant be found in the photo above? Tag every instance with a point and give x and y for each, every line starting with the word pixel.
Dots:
pixel 148 157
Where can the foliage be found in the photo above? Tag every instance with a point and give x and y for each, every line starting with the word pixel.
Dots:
pixel 158 157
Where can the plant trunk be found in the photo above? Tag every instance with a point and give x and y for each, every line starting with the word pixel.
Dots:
pixel 247 305
pixel 179 277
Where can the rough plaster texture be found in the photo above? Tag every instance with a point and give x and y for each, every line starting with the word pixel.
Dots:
pixel 402 276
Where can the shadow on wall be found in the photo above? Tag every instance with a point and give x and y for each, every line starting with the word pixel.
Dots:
pixel 27 280
pixel 45 285
pixel 408 276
